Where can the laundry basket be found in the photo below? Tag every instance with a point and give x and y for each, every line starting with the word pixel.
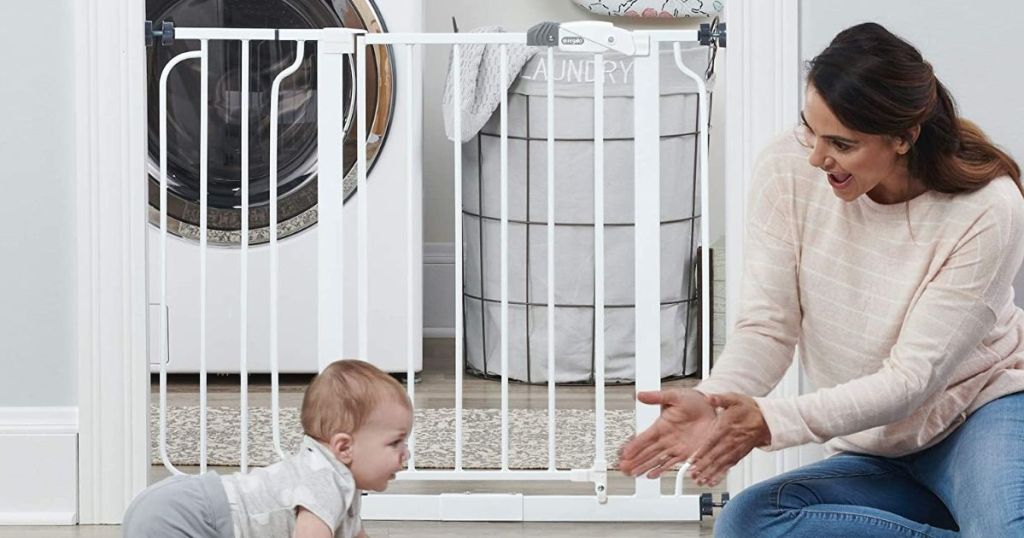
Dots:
pixel 574 224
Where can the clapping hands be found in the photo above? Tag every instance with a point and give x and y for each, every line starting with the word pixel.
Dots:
pixel 685 421
pixel 712 432
pixel 739 428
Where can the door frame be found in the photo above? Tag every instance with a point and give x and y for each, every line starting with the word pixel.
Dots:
pixel 110 146
pixel 763 96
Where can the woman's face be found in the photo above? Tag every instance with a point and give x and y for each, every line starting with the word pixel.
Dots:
pixel 855 163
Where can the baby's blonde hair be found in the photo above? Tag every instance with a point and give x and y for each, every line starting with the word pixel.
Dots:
pixel 341 397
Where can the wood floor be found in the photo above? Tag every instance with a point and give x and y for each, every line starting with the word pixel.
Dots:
pixel 434 389
pixel 430 529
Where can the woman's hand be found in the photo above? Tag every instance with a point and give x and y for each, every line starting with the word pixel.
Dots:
pixel 686 419
pixel 739 428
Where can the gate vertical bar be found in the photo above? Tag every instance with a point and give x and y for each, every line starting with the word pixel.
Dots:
pixel 204 201
pixel 410 200
pixel 457 150
pixel 551 256
pixel 600 463
pixel 163 255
pixel 503 75
pixel 705 267
pixel 647 260
pixel 334 44
pixel 243 285
pixel 275 90
pixel 362 201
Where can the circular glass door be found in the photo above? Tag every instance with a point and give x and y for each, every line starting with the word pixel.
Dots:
pixel 297 116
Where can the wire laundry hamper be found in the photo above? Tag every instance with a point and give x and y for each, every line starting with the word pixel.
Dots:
pixel 574 224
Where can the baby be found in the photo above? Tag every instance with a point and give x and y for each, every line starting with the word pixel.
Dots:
pixel 356 420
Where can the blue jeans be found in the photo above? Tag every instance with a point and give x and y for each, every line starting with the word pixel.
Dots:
pixel 971 484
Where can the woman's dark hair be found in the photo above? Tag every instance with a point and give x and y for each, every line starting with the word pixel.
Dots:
pixel 877 83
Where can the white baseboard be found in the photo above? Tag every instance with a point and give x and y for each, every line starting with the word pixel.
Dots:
pixel 38 465
pixel 438 290
pixel 21 519
pixel 38 420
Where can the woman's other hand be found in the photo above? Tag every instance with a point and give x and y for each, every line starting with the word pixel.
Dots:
pixel 739 428
pixel 686 419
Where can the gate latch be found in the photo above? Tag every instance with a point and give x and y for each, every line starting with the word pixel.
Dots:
pixel 588 36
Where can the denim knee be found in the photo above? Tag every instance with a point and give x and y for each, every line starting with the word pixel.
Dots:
pixel 997 521
pixel 748 514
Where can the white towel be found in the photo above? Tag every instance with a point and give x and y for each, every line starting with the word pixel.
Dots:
pixel 480 82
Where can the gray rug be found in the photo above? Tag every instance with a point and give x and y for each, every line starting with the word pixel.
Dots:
pixel 434 431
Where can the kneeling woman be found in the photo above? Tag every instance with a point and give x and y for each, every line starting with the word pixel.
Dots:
pixel 883 239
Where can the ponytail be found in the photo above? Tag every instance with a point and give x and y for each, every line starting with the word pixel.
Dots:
pixel 953 155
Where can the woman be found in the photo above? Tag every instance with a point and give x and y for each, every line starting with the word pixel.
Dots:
pixel 883 239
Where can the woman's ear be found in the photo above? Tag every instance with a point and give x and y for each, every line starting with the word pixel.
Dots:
pixel 907 141
pixel 341 446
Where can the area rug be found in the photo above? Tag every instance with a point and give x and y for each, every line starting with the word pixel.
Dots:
pixel 434 437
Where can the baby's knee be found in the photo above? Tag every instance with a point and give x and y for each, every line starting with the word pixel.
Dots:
pixel 149 512
pixel 134 522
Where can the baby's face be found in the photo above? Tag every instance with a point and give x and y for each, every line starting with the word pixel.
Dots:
pixel 378 448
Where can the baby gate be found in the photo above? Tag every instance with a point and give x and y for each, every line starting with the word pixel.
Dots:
pixel 334 47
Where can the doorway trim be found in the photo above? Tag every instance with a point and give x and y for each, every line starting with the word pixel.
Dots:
pixel 762 99
pixel 113 373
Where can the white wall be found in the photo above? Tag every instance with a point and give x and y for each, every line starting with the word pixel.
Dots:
pixel 37 205
pixel 974 48
pixel 516 16
pixel 38 344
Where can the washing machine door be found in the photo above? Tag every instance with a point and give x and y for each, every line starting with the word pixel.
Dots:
pixel 297 129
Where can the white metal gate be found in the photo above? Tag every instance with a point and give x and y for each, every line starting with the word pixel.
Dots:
pixel 647 503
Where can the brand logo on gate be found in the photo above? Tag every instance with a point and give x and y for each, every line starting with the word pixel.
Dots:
pixel 572 40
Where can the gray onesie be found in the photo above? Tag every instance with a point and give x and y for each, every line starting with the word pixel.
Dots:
pixel 263 501
pixel 260 503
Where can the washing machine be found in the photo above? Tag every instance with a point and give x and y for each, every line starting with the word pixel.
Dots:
pixel 387 150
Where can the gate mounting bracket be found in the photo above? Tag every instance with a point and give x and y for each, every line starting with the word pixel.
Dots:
pixel 165 33
pixel 707 36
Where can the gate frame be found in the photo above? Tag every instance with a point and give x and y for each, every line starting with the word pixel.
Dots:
pixel 647 503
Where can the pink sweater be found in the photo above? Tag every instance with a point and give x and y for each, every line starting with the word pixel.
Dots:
pixel 903 314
